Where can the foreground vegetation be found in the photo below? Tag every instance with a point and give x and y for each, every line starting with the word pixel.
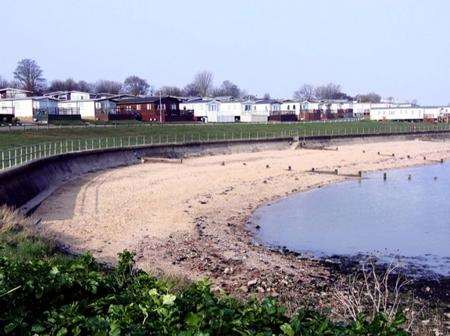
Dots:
pixel 17 138
pixel 43 292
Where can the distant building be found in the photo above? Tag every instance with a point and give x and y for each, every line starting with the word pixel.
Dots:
pixel 89 109
pixel 89 106
pixel 29 108
pixel 289 111
pixel 69 95
pixel 198 105
pixel 362 110
pixel 155 109
pixel 221 109
pixel 411 113
pixel 14 93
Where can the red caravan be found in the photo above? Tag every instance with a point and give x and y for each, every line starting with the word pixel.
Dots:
pixel 154 109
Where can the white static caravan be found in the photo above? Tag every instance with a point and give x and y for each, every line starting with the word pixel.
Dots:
pixel 361 110
pixel 217 110
pixel 14 93
pixel 310 106
pixel 69 95
pixel 436 112
pixel 87 108
pixel 418 113
pixel 29 108
pixel 199 106
pixel 261 110
pixel 294 106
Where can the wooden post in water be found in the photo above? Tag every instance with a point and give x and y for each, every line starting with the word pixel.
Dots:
pixel 384 176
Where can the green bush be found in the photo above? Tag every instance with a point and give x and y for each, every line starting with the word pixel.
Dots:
pixel 46 295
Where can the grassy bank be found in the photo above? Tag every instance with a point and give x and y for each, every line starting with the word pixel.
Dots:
pixel 44 292
pixel 17 138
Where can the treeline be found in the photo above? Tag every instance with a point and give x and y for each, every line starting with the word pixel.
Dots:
pixel 333 91
pixel 28 75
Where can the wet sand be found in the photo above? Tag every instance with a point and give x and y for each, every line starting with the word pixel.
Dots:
pixel 190 219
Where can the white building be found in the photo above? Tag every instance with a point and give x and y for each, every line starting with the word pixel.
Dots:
pixel 362 110
pixel 291 106
pixel 219 109
pixel 69 95
pixel 78 102
pixel 14 93
pixel 28 108
pixel 91 109
pixel 199 106
pixel 411 113
pixel 261 110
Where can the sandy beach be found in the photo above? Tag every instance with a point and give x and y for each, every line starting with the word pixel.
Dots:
pixel 190 219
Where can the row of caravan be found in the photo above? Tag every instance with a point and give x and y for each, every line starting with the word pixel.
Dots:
pixel 263 110
pixel 229 110
pixel 16 103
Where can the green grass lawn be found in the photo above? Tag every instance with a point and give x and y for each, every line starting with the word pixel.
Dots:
pixel 9 139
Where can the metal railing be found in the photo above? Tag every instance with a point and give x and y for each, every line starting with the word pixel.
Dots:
pixel 19 155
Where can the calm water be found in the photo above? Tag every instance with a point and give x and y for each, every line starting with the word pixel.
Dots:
pixel 396 217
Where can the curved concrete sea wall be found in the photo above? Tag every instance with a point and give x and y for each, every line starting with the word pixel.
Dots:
pixel 26 186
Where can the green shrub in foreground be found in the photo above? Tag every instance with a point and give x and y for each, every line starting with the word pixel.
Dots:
pixel 56 296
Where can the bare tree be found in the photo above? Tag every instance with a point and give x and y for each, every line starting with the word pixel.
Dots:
pixel 203 83
pixel 228 89
pixel 85 86
pixel 306 92
pixel 3 82
pixel 330 91
pixel 107 86
pixel 56 85
pixel 64 85
pixel 368 98
pixel 170 91
pixel 266 95
pixel 135 85
pixel 29 75
pixel 191 90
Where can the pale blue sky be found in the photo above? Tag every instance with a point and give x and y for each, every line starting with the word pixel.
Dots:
pixel 393 47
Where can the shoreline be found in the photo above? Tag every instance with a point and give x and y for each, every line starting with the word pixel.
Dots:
pixel 212 240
